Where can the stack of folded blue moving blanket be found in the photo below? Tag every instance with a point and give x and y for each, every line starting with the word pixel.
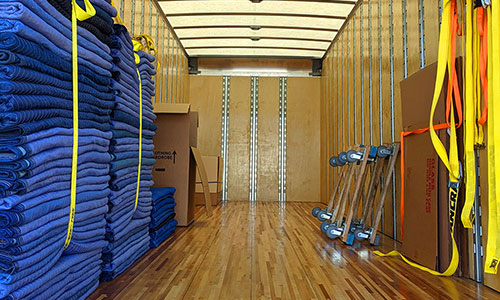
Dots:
pixel 36 139
pixel 162 223
pixel 127 221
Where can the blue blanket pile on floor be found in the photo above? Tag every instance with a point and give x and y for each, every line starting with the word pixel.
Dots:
pixel 162 223
pixel 127 222
pixel 36 140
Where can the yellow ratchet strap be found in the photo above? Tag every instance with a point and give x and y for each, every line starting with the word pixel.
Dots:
pixel 149 42
pixel 140 141
pixel 450 162
pixel 492 249
pixel 81 15
pixel 470 116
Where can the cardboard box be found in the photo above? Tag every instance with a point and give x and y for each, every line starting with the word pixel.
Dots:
pixel 175 165
pixel 424 238
pixel 416 98
pixel 215 198
pixel 213 166
pixel 420 227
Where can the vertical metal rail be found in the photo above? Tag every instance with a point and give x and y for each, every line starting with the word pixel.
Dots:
pixel 405 38
pixel 175 76
pixel 166 60
pixel 171 49
pixel 348 91
pixel 380 94
pixel 391 37
pixel 477 230
pixel 142 17
pixel 282 140
pixel 440 12
pixel 337 64
pixel 158 58
pixel 226 84
pixel 122 8
pixel 179 65
pixel 370 70
pixel 355 88
pixel 337 97
pixel 150 32
pixel 254 108
pixel 162 98
pixel 421 29
pixel 327 186
pixel 132 19
pixel 343 98
pixel 331 100
pixel 362 73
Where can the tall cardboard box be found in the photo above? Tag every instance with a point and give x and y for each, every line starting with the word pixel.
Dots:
pixel 213 166
pixel 175 165
pixel 426 237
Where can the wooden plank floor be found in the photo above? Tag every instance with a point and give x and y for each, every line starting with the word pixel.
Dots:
pixel 271 251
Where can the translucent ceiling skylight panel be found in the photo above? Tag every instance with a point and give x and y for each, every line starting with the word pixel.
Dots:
pixel 256 20
pixel 285 7
pixel 261 43
pixel 255 52
pixel 264 32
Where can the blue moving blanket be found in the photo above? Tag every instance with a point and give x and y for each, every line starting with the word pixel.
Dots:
pixel 162 223
pixel 127 229
pixel 36 150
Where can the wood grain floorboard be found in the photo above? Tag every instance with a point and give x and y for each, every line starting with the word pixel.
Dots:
pixel 267 250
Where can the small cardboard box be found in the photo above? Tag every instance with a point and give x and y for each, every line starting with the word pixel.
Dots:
pixel 175 165
pixel 213 166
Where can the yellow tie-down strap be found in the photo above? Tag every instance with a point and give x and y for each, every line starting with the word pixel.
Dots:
pixel 451 162
pixel 81 15
pixel 470 117
pixel 452 267
pixel 492 248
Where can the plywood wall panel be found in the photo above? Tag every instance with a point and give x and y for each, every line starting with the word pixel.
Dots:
pixel 431 24
pixel 399 60
pixel 147 17
pixel 303 164
pixel 239 139
pixel 205 97
pixel 358 108
pixel 413 36
pixel 267 143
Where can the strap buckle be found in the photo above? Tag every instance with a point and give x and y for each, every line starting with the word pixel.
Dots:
pixel 454 184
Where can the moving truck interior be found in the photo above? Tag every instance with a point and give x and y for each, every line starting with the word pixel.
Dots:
pixel 249 149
